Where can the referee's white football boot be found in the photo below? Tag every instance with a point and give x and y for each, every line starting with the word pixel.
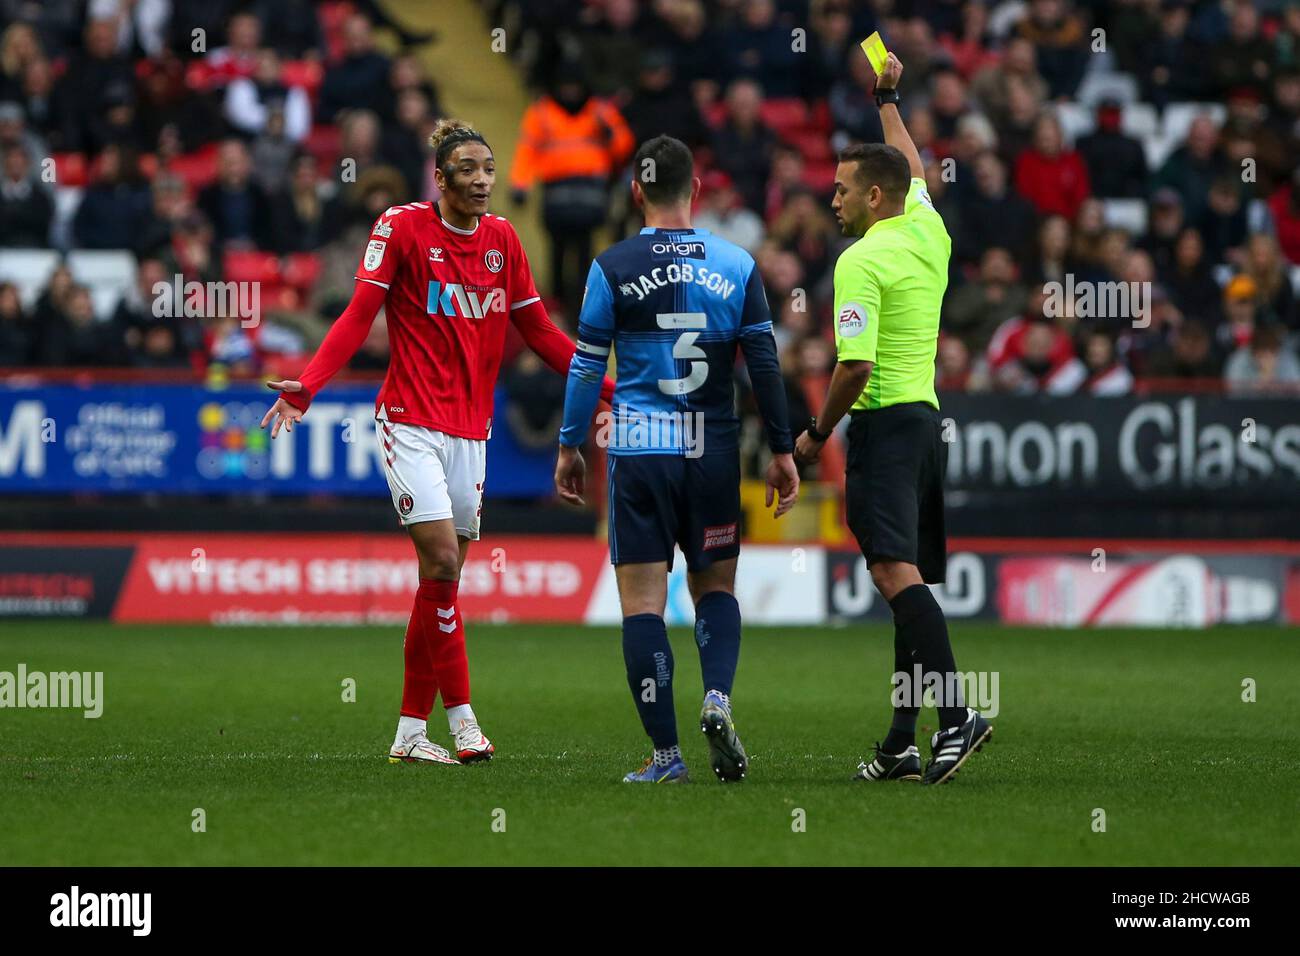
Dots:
pixel 902 766
pixel 950 748
pixel 418 748
pixel 726 753
pixel 471 745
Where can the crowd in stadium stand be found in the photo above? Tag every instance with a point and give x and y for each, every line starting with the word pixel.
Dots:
pixel 1132 141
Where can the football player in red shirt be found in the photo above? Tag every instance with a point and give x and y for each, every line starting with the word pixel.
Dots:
pixel 449 276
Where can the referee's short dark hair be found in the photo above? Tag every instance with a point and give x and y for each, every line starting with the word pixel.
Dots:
pixel 665 168
pixel 880 165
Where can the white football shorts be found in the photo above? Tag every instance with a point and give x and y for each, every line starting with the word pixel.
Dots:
pixel 433 476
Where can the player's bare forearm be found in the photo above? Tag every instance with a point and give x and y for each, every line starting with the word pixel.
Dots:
pixel 847 382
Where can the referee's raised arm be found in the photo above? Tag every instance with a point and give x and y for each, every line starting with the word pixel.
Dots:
pixel 891 120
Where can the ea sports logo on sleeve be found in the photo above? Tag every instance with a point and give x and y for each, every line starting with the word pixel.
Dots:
pixel 852 320
pixel 494 260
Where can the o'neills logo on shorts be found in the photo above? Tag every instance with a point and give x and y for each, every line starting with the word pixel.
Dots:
pixel 405 504
pixel 719 536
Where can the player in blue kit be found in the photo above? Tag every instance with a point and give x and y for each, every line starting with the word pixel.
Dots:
pixel 673 303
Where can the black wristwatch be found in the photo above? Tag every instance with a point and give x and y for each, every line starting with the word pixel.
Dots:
pixel 814 433
pixel 887 96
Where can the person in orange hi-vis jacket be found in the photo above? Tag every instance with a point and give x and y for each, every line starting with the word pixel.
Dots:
pixel 573 143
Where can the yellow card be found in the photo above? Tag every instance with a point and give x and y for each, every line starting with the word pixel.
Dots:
pixel 874 48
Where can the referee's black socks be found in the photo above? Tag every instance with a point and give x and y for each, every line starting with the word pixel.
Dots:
pixel 921 627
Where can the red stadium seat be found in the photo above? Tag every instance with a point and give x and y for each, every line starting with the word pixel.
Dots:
pixel 324 142
pixel 70 169
pixel 301 270
pixel 812 144
pixel 252 266
pixel 198 169
pixel 785 114
pixel 820 176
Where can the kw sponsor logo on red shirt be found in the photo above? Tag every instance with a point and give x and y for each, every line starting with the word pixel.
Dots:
pixel 454 300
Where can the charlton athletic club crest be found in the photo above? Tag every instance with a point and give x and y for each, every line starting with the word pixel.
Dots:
pixel 494 260
pixel 404 504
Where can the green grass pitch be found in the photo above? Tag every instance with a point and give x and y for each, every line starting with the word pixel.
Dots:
pixel 250 725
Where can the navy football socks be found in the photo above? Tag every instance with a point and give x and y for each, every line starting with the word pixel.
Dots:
pixel 717 634
pixel 649 660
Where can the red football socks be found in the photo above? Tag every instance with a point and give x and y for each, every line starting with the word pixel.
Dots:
pixel 435 604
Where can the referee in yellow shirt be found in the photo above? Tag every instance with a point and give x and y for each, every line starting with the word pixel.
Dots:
pixel 889 289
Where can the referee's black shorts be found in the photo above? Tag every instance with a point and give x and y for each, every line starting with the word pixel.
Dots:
pixel 894 486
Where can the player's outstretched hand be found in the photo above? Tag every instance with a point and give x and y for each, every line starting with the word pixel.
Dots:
pixel 888 80
pixel 282 413
pixel 783 483
pixel 570 475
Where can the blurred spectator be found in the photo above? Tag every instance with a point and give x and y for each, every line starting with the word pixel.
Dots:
pixel 1284 205
pixel 271 153
pixel 1190 280
pixel 20 47
pixel 722 212
pixel 96 87
pixel 854 116
pixel 154 341
pixel 405 142
pixel 25 210
pixel 1060 43
pixel 251 100
pixel 166 103
pixel 238 58
pixel 15 132
pixel 360 141
pixel 759 48
pixel 743 145
pixel 974 311
pixel 1052 258
pixel 661 104
pixel 1050 176
pixel 534 406
pixel 696 48
pixel 303 217
pixel 1243 58
pixel 1117 164
pixel 1016 131
pixel 169 203
pixel 115 208
pixel 17 332
pixel 1165 228
pixel 573 144
pixel 1274 296
pixel 1264 365
pixel 992 214
pixel 992 86
pixel 1029 354
pixel 294 25
pixel 1100 370
pixel 830 42
pixel 1171 65
pixel 235 205
pixel 360 79
pixel 1190 354
pixel 1239 298
pixel 612 48
pixel 805 227
pixel 1191 167
pixel 36 98
pixel 76 338
pixel 1223 220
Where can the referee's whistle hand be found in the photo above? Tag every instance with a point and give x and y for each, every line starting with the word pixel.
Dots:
pixel 570 475
pixel 807 449
pixel 782 484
